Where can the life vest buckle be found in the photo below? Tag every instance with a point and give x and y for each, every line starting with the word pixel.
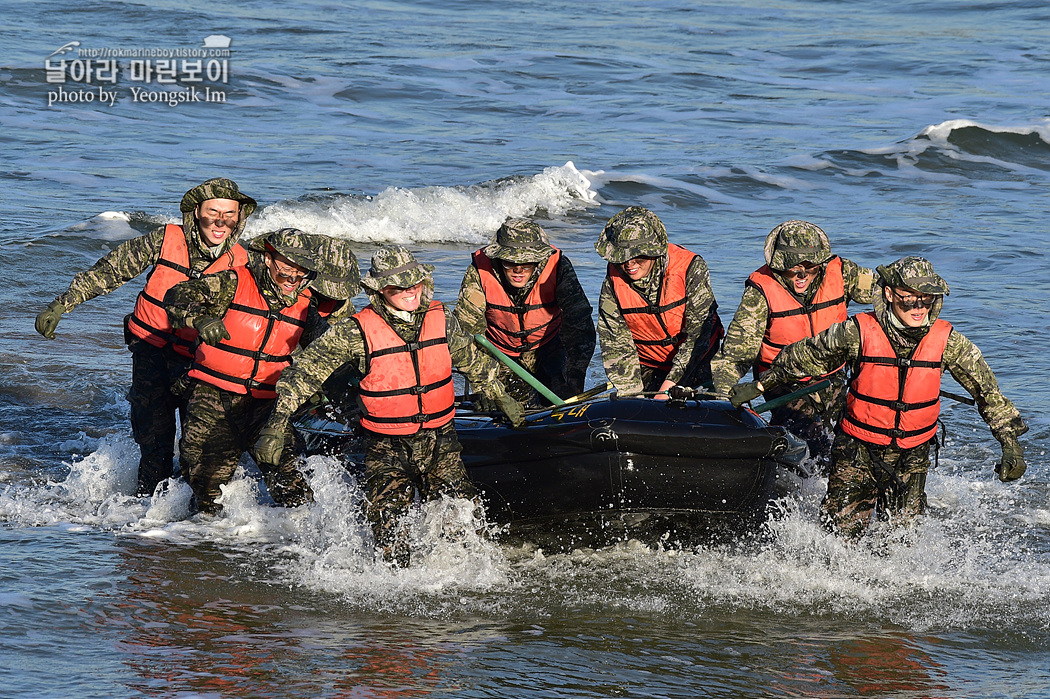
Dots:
pixel 896 433
pixel 899 406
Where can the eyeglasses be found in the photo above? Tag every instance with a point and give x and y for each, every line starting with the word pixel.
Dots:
pixel 909 303
pixel 518 268
pixel 800 272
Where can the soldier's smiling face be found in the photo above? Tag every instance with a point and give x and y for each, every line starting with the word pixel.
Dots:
pixel 638 267
pixel 217 219
pixel 403 298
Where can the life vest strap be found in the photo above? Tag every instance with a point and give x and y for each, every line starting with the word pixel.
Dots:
pixel 268 314
pixel 413 346
pixel 895 405
pixel 900 362
pixel 420 417
pixel 410 391
pixel 894 432
pixel 654 309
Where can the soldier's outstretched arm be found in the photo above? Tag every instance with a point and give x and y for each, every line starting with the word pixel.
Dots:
pixel 816 355
pixel 117 267
pixel 859 282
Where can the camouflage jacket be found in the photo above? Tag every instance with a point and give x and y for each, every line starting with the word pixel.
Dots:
pixel 744 335
pixel 620 354
pixel 841 343
pixel 344 343
pixel 125 262
pixel 577 328
pixel 212 294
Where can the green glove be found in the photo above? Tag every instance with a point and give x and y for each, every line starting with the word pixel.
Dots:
pixel 1012 466
pixel 47 319
pixel 744 393
pixel 512 409
pixel 268 446
pixel 212 330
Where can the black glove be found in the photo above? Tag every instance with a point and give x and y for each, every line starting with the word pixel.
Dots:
pixel 512 409
pixel 47 319
pixel 484 404
pixel 212 330
pixel 744 393
pixel 1012 465
pixel 268 446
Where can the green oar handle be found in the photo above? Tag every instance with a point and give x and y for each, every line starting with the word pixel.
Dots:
pixel 517 369
pixel 785 399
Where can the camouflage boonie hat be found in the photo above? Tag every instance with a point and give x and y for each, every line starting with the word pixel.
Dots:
pixel 217 188
pixel 634 232
pixel 338 276
pixel 915 273
pixel 794 242
pixel 289 242
pixel 395 265
pixel 520 242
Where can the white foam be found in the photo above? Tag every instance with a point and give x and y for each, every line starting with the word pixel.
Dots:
pixel 468 214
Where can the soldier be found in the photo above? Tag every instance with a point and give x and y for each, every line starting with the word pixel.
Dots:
pixel 250 319
pixel 896 355
pixel 657 318
pixel 404 344
pixel 213 217
pixel 523 294
pixel 801 290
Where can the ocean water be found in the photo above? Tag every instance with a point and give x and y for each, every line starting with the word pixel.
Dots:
pixel 900 128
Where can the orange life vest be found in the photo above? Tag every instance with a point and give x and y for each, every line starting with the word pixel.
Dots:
pixel 895 400
pixel 407 385
pixel 517 329
pixel 149 321
pixel 790 321
pixel 260 345
pixel 658 330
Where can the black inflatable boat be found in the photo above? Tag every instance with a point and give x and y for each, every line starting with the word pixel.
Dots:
pixel 605 469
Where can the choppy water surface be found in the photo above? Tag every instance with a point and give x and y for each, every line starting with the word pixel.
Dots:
pixel 905 128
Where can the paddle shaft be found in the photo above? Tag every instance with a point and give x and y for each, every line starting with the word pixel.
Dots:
pixel 785 399
pixel 519 370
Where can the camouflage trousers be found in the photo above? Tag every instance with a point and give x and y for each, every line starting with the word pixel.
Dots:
pixel 396 467
pixel 222 425
pixel 154 410
pixel 813 417
pixel 866 480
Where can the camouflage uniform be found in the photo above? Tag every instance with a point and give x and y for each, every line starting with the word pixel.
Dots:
pixel 395 466
pixel 221 424
pixel 638 232
pixel 561 363
pixel 864 477
pixel 154 370
pixel 811 417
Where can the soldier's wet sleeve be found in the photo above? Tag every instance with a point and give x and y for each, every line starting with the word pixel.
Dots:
pixel 480 368
pixel 211 295
pixel 742 342
pixel 966 364
pixel 859 282
pixel 698 328
pixel 116 268
pixel 619 352
pixel 821 354
pixel 470 306
pixel 577 327
pixel 341 343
